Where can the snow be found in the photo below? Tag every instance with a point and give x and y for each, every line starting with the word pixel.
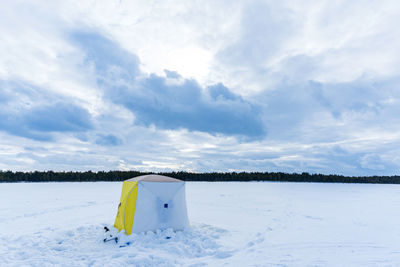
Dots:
pixel 232 224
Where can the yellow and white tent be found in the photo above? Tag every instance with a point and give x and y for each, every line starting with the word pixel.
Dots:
pixel 152 202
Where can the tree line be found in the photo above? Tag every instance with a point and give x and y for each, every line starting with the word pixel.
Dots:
pixel 113 176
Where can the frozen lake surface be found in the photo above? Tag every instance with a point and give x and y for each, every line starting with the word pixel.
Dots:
pixel 232 224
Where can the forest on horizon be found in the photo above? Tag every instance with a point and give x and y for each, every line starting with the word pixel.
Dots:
pixel 114 176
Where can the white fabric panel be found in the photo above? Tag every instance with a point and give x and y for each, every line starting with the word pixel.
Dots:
pixel 160 205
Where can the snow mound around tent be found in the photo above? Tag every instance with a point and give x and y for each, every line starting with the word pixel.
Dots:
pixel 84 246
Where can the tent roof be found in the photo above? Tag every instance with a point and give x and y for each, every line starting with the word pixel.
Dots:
pixel 154 178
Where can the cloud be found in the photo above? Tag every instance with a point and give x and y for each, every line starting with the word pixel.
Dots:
pixel 155 100
pixel 221 92
pixel 112 63
pixel 172 74
pixel 39 122
pixel 318 42
pixel 264 28
pixel 108 140
pixel 32 113
pixel 57 117
pixel 372 162
pixel 313 112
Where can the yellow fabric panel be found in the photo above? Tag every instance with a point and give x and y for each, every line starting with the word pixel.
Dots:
pixel 127 204
pixel 130 209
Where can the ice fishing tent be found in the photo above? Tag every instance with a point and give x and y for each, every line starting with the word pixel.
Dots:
pixel 152 202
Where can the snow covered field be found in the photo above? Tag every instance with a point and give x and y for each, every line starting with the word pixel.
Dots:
pixel 233 224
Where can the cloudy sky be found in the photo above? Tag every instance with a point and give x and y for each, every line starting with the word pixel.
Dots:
pixel 200 86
